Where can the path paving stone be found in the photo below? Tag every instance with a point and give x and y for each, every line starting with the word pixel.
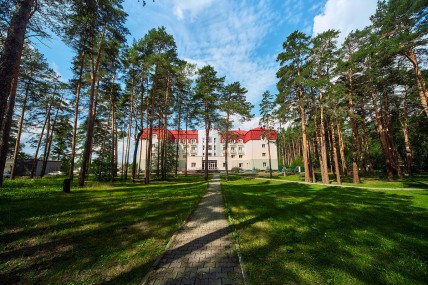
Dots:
pixel 202 251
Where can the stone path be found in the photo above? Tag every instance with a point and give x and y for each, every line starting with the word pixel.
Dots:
pixel 202 251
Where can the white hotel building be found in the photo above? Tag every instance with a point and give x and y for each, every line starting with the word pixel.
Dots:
pixel 247 150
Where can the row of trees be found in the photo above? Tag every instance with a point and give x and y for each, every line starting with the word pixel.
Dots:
pixel 117 92
pixel 360 106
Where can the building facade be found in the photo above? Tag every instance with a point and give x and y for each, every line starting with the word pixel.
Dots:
pixel 247 150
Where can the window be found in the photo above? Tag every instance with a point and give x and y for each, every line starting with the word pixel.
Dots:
pixel 263 145
pixel 264 154
pixel 232 141
pixel 240 165
pixel 210 147
pixel 193 155
pixel 239 149
pixel 232 149
pixel 224 164
pixel 193 164
pixel 241 141
pixel 210 139
pixel 203 147
pixel 214 147
pixel 215 154
pixel 264 164
pixel 232 156
pixel 153 136
pixel 203 140
pixel 240 156
pixel 193 141
pixel 210 154
pixel 214 140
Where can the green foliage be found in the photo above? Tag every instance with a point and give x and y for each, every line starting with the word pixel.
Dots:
pixel 101 169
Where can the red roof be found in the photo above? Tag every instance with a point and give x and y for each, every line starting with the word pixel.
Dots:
pixel 172 134
pixel 253 134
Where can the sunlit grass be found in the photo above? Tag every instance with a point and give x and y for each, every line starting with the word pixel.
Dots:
pixel 308 234
pixel 100 233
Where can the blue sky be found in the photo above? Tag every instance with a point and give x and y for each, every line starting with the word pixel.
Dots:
pixel 241 39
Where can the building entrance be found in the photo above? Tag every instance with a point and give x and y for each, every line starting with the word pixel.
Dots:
pixel 212 164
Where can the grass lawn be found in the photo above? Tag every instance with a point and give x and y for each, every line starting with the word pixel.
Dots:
pixel 103 233
pixel 417 181
pixel 294 233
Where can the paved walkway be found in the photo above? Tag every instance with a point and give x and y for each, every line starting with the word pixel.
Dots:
pixel 202 252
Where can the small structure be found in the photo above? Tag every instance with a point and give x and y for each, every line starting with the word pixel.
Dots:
pixel 23 166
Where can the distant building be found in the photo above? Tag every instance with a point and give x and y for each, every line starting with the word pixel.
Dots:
pixel 23 167
pixel 247 150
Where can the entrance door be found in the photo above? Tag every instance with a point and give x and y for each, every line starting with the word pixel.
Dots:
pixel 212 164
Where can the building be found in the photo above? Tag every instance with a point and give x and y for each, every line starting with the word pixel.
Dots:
pixel 247 150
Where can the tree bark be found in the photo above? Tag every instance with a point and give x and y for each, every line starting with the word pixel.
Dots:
pixel 342 149
pixel 10 61
pixel 404 127
pixel 34 167
pixel 355 136
pixel 128 137
pixel 76 118
pixel 423 94
pixel 18 136
pixel 113 166
pixel 95 64
pixel 335 157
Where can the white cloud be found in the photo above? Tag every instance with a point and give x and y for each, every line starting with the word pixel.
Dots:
pixel 247 125
pixel 345 16
pixel 192 7
pixel 228 38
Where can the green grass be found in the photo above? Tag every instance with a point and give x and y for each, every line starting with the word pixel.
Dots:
pixel 417 181
pixel 308 234
pixel 102 233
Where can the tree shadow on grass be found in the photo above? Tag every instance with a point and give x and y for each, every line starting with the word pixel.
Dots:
pixel 329 234
pixel 90 236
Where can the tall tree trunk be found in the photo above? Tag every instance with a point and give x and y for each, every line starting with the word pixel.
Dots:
pixel 10 62
pixel 34 167
pixel 113 149
pixel 423 93
pixel 207 134
pixel 122 173
pixel 178 135
pixel 270 160
pixel 403 121
pixel 76 118
pixel 165 129
pixel 335 157
pixel 366 142
pixel 355 136
pixel 150 138
pixel 331 160
pixel 185 163
pixel 134 163
pixel 18 136
pixel 305 146
pixel 341 148
pixel 384 145
pixel 128 137
pixel 49 143
pixel 95 63
pixel 226 145
pixel 324 169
